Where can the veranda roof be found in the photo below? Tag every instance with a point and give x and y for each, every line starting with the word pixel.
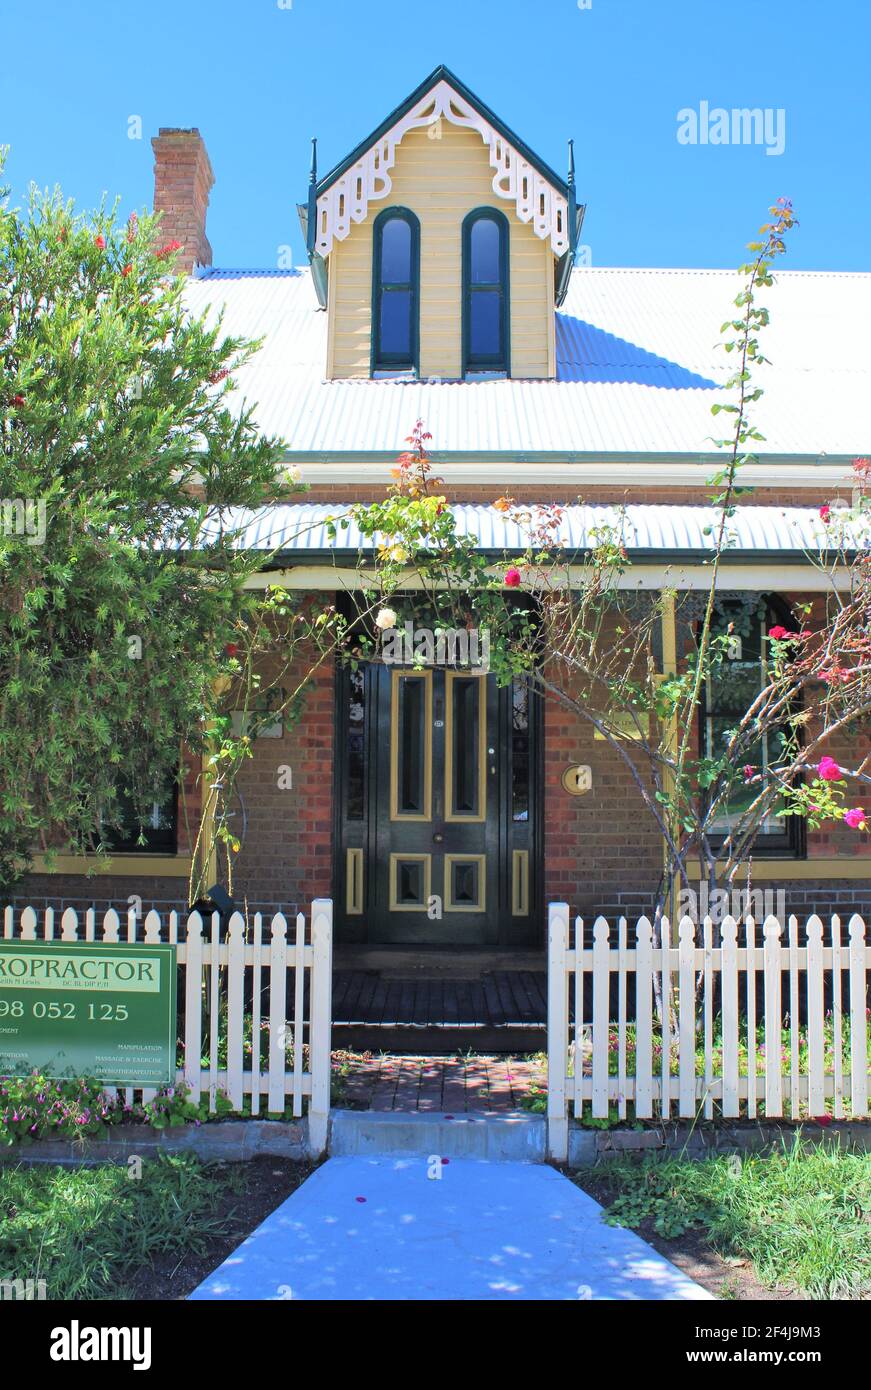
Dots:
pixel 302 533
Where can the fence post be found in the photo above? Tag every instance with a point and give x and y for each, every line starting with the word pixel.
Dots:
pixel 320 1034
pixel 557 1031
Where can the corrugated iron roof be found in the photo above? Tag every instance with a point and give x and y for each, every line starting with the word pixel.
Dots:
pixel 638 367
pixel 788 532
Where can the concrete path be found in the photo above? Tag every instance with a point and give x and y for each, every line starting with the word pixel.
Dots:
pixel 382 1228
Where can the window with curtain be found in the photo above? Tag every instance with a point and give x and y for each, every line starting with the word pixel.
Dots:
pixel 395 292
pixel 485 292
pixel 728 694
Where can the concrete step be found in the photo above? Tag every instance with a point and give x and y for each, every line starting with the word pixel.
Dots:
pixel 516 1135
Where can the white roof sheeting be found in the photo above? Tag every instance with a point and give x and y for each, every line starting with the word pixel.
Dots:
pixel 639 367
pixel 673 530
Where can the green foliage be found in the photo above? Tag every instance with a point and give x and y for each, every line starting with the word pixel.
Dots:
pixel 36 1107
pixel 800 1214
pixel 86 1231
pixel 118 436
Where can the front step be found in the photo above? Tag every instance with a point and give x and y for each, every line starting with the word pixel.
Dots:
pixel 435 1040
pixel 516 1136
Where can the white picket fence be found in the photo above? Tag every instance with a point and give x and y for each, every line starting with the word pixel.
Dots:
pixel 265 1076
pixel 712 1059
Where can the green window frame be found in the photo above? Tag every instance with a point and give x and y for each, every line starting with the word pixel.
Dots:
pixel 382 358
pixel 500 360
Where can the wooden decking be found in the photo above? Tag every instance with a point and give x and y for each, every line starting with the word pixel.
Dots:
pixel 499 1010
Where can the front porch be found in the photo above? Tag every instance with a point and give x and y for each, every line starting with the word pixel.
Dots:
pixel 431 1002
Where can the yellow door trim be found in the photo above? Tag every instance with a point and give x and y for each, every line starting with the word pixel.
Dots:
pixel 450 861
pixel 450 814
pixel 520 883
pixel 353 882
pixel 395 813
pixel 426 860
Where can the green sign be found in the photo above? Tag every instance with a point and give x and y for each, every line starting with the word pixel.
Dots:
pixel 73 1009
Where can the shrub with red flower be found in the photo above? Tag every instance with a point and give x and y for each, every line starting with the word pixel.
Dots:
pixel 167 250
pixel 100 242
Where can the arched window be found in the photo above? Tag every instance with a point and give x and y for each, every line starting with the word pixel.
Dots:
pixel 395 292
pixel 485 292
pixel 734 683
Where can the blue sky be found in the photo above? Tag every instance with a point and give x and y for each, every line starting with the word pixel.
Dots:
pixel 259 77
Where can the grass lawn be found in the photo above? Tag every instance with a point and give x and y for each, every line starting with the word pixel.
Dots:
pixel 98 1233
pixel 795 1223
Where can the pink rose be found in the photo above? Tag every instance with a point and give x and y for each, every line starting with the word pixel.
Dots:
pixel 512 578
pixel 828 770
pixel 855 818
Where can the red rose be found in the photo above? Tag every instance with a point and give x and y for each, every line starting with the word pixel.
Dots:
pixel 512 578
pixel 231 649
pixel 825 512
pixel 778 633
pixel 100 242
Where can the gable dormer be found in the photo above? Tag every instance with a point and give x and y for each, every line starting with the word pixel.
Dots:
pixel 441 245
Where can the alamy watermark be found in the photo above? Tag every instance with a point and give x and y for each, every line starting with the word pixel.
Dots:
pixel 739 126
pixel 457 647
pixel 23 516
pixel 27 1289
pixel 739 903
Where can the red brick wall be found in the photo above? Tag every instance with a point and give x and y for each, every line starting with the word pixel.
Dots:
pixel 603 842
pixel 286 857
pixel 566 494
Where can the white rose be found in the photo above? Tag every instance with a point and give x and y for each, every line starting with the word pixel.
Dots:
pixel 386 619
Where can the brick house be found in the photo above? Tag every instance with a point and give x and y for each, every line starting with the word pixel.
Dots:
pixel 445 282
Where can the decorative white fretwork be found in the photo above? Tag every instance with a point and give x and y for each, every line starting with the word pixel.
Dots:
pixel 515 179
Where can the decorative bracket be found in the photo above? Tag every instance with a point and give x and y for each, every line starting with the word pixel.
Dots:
pixel 516 180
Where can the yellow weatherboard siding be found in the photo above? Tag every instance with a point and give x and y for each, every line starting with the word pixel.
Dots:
pixel 441 180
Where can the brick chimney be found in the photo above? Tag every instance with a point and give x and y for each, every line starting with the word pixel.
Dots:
pixel 183 179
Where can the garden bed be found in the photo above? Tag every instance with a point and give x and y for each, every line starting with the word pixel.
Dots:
pixel 789 1224
pixel 98 1234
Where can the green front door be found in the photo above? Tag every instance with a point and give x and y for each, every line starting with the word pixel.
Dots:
pixel 437 837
